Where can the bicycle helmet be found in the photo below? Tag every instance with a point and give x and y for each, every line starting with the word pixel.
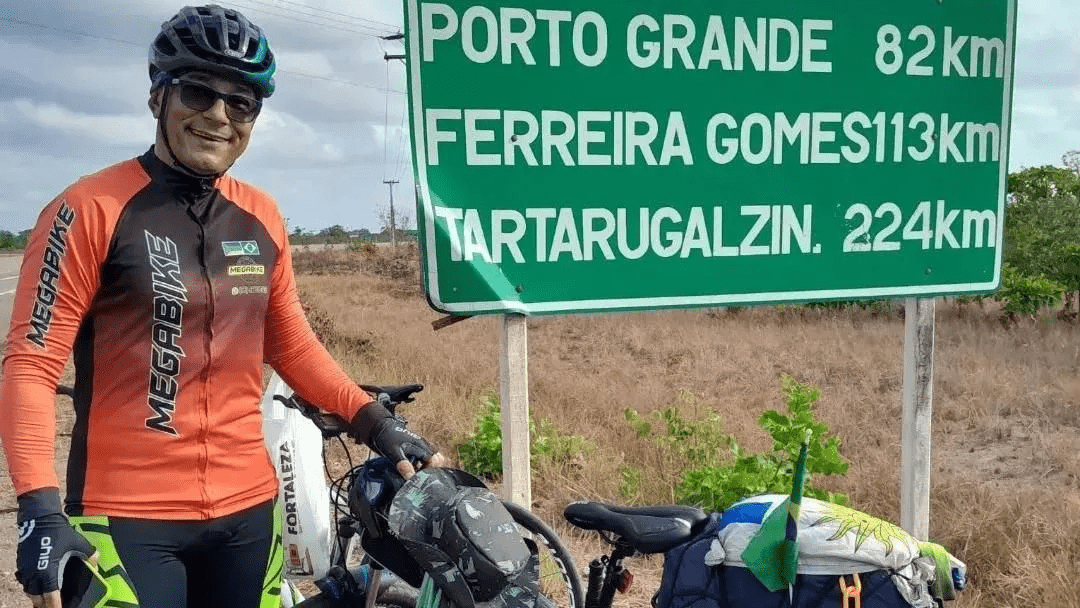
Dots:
pixel 214 39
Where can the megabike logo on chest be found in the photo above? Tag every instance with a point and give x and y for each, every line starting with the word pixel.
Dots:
pixel 170 295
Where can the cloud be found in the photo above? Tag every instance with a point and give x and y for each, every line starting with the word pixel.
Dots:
pixel 306 62
pixel 123 129
pixel 292 138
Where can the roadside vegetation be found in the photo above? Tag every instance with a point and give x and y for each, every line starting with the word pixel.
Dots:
pixel 1006 402
pixel 12 241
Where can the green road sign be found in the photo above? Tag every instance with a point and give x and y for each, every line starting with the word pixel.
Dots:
pixel 596 155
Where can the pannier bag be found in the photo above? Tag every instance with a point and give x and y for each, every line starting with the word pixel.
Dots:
pixel 688 582
pixel 295 447
pixel 846 559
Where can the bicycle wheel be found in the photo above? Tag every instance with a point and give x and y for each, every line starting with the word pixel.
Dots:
pixel 559 577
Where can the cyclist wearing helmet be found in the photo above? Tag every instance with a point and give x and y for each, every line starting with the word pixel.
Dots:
pixel 171 282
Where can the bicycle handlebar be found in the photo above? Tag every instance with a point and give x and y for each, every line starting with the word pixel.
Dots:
pixel 332 425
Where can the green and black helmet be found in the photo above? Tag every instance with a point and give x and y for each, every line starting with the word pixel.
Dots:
pixel 213 39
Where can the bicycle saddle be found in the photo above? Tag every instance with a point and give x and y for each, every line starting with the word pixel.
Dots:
pixel 652 529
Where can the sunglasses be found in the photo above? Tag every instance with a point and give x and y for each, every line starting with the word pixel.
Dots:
pixel 199 97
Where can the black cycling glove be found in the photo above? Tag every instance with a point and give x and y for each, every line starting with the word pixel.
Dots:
pixel 388 435
pixel 46 542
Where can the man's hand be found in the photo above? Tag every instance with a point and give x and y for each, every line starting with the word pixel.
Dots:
pixel 46 542
pixel 388 435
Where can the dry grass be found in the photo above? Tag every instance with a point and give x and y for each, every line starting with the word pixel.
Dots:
pixel 1006 447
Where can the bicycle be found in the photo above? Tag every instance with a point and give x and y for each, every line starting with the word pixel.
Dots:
pixel 346 585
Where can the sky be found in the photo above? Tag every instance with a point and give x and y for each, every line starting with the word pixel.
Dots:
pixel 73 92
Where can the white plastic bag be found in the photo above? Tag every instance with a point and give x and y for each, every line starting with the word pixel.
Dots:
pixel 295 447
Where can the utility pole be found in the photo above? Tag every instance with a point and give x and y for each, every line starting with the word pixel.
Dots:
pixel 390 182
pixel 393 228
pixel 388 56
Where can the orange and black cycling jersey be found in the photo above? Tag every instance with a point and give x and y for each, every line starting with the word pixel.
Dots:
pixel 172 292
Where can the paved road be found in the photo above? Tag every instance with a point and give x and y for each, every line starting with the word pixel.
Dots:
pixel 9 272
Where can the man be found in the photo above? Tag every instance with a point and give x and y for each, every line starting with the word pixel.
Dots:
pixel 172 283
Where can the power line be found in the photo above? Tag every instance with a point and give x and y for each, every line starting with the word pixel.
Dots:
pixel 331 24
pixel 380 24
pixel 402 159
pixel 135 44
pixel 59 29
pixel 340 81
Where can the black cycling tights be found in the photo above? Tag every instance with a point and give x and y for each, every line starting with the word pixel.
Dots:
pixel 230 562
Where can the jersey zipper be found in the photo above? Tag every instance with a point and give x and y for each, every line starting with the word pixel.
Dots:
pixel 204 422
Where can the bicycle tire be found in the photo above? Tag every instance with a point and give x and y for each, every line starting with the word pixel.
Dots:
pixel 563 586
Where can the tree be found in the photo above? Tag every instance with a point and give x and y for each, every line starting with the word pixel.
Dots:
pixel 334 233
pixel 13 241
pixel 402 219
pixel 1071 160
pixel 1042 225
pixel 1043 182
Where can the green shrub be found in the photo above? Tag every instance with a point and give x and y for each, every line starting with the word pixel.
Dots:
pixel 716 472
pixel 630 482
pixel 481 452
pixel 1024 295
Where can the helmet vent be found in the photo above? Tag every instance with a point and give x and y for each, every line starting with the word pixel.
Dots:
pixel 164 45
pixel 186 38
pixel 213 38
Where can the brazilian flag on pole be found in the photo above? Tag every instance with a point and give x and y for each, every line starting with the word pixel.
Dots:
pixel 773 552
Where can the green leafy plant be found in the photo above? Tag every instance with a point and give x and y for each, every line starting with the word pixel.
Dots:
pixel 694 442
pixel 630 482
pixel 716 471
pixel 1024 295
pixel 481 452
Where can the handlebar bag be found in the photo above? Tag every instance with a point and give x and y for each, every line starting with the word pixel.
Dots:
pixel 465 539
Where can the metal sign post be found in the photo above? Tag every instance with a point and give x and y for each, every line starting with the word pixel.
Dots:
pixel 917 400
pixel 514 404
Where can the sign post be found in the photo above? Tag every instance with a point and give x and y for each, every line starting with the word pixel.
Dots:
pixel 514 404
pixel 585 156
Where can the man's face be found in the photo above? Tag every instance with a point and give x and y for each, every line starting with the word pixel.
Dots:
pixel 208 142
